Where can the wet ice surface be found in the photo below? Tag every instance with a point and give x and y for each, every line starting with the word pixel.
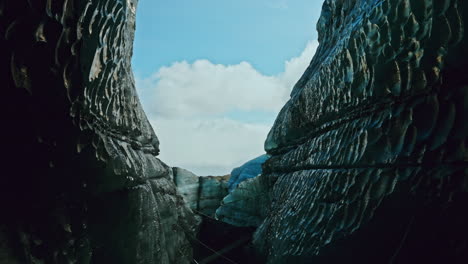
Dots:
pixel 93 188
pixel 379 116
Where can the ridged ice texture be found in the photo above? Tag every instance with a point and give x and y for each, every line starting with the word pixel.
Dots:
pixel 203 194
pixel 245 206
pixel 380 113
pixel 82 183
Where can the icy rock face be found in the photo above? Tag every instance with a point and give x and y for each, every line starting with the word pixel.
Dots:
pixel 369 156
pixel 203 194
pixel 246 206
pixel 248 170
pixel 82 182
pixel 212 191
pixel 187 184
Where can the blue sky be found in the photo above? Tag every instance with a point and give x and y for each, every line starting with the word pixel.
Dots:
pixel 264 32
pixel 213 74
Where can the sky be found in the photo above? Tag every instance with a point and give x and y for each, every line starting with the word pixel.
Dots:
pixel 212 75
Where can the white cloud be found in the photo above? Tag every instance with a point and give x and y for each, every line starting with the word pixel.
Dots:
pixel 295 67
pixel 187 104
pixel 208 146
pixel 204 88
